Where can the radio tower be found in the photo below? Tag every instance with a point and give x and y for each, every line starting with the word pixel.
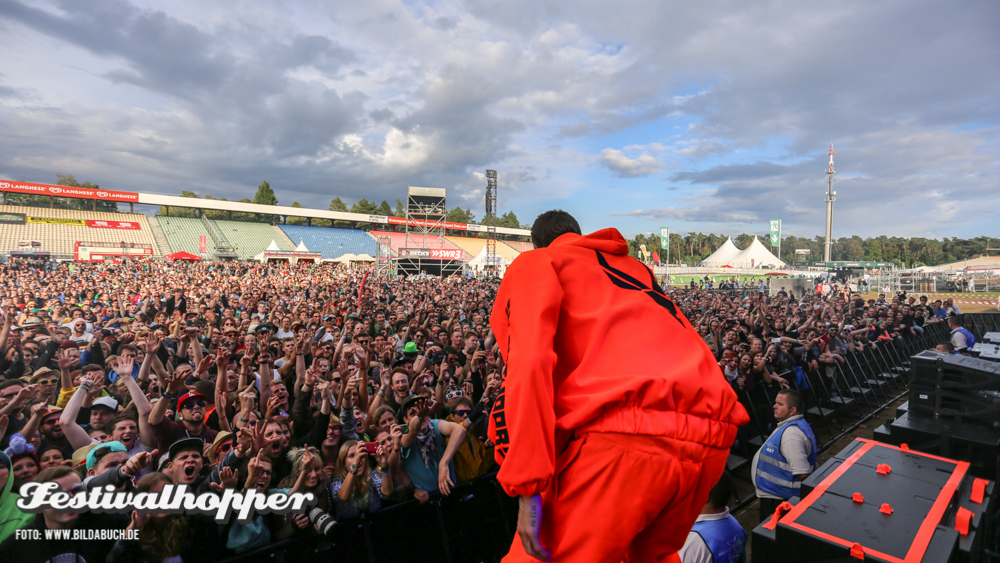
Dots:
pixel 830 197
pixel 491 220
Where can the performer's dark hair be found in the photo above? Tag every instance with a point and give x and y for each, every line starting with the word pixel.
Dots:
pixel 550 225
pixel 720 493
pixel 793 399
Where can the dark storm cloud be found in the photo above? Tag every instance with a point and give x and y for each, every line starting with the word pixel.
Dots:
pixel 361 101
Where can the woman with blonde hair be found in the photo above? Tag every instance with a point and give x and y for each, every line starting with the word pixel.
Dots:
pixel 307 476
pixel 356 487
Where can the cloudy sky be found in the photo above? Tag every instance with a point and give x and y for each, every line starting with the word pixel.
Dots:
pixel 711 115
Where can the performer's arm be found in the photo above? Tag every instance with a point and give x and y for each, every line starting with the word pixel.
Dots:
pixel 528 306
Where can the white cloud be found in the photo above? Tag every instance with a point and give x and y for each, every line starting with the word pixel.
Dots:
pixel 622 166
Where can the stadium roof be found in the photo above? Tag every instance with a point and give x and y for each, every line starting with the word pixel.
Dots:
pixel 217 205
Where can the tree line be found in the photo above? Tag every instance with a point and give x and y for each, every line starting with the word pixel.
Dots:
pixel 692 248
pixel 265 196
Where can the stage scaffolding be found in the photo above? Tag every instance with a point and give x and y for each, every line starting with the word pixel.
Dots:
pixel 425 246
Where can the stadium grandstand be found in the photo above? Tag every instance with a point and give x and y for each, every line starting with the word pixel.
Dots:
pixel 417 242
pixel 57 232
pixel 980 263
pixel 332 242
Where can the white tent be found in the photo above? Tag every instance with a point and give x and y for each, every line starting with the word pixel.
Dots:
pixel 300 248
pixel 482 261
pixel 755 256
pixel 722 256
pixel 364 258
pixel 273 247
pixel 345 259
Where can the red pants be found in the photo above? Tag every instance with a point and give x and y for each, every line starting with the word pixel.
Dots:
pixel 622 497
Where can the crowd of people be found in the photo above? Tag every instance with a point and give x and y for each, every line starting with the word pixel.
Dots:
pixel 364 389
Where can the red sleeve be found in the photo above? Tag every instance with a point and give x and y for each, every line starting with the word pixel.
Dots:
pixel 522 424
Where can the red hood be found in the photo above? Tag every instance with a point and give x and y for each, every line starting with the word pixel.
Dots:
pixel 605 240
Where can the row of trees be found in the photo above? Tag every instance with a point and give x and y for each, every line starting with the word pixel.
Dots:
pixel 265 196
pixel 689 249
pixel 692 248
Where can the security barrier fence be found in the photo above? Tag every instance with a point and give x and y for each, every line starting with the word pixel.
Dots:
pixel 476 522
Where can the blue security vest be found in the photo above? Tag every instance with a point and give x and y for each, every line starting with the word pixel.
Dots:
pixel 970 340
pixel 774 474
pixel 725 538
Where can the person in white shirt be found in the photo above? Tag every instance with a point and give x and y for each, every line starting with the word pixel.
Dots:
pixel 80 333
pixel 716 536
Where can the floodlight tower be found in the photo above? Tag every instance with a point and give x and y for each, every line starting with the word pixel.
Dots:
pixel 830 197
pixel 491 219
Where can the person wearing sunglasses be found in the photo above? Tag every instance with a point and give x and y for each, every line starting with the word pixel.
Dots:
pixel 470 460
pixel 191 408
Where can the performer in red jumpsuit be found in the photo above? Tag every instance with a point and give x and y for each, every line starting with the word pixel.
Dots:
pixel 614 421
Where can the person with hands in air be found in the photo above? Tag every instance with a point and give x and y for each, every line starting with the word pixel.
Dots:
pixel 426 456
pixel 358 488
pixel 190 406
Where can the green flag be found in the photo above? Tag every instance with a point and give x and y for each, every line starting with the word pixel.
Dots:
pixel 664 237
pixel 775 232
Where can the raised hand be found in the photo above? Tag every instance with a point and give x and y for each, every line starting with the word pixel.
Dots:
pixel 125 366
pixel 38 409
pixel 66 361
pixel 222 355
pixel 228 480
pixel 152 344
pixel 206 363
pixel 138 462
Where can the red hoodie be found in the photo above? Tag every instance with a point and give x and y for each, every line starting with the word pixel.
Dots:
pixel 591 343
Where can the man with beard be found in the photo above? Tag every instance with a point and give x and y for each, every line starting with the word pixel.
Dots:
pixel 52 432
pixel 190 406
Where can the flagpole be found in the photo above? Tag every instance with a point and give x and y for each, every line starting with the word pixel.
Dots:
pixel 779 240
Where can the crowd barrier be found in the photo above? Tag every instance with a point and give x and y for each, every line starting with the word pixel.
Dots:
pixel 477 521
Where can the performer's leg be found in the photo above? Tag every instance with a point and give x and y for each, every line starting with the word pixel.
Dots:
pixel 609 488
pixel 665 535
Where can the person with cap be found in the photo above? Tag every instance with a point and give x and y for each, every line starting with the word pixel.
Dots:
pixel 122 429
pixel 11 517
pixel 191 408
pixel 426 455
pixel 610 460
pixel 47 381
pixel 102 411
pixel 46 419
pixel 68 547
pixel 221 445
pixel 105 464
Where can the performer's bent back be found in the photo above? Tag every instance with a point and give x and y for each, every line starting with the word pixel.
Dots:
pixel 614 421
